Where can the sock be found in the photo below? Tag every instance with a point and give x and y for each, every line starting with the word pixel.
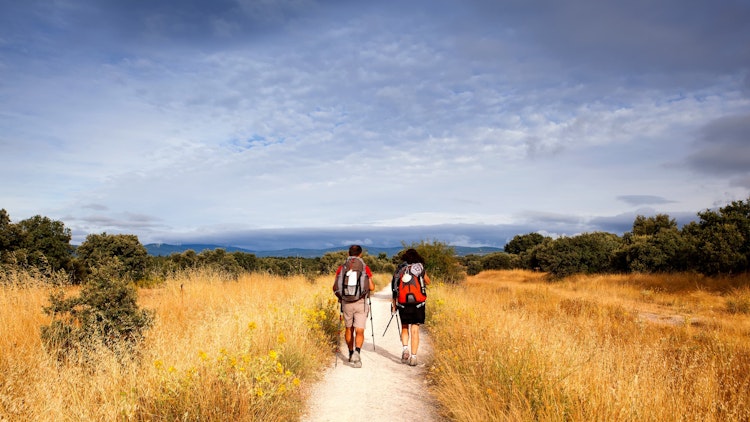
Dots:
pixel 406 347
pixel 351 352
pixel 359 349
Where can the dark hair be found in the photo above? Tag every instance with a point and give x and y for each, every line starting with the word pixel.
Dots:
pixel 355 250
pixel 411 256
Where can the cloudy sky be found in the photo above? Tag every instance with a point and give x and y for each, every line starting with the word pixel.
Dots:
pixel 301 123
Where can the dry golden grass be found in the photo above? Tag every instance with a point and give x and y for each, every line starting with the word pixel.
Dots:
pixel 511 346
pixel 219 350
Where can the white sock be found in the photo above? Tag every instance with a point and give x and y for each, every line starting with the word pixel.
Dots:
pixel 406 347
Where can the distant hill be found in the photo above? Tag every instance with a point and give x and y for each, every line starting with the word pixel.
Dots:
pixel 163 249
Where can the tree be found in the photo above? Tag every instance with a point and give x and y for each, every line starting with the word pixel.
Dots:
pixel 472 263
pixel 440 260
pixel 588 253
pixel 186 259
pixel 220 260
pixel 330 261
pixel 98 249
pixel 654 245
pixel 45 241
pixel 662 252
pixel 7 235
pixel 649 226
pixel 720 240
pixel 497 261
pixel 247 261
pixel 524 242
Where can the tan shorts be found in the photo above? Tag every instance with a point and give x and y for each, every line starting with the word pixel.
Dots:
pixel 355 313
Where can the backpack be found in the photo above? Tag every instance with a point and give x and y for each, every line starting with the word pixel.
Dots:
pixel 409 285
pixel 352 282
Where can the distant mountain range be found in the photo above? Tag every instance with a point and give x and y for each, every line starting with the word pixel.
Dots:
pixel 163 249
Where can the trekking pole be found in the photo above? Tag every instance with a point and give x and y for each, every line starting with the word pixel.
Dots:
pixel 338 339
pixel 393 313
pixel 372 324
pixel 398 325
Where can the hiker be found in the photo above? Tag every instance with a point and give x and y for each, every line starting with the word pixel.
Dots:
pixel 352 286
pixel 409 297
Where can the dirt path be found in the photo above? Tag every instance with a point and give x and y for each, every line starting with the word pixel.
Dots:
pixel 383 389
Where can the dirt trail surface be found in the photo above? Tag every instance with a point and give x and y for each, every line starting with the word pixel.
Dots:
pixel 383 389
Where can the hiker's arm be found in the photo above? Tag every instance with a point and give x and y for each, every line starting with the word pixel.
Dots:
pixel 336 278
pixel 369 277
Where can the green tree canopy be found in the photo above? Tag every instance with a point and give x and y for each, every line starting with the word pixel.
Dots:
pixel 585 253
pixel 43 241
pixel 98 249
pixel 648 226
pixel 440 260
pixel 524 242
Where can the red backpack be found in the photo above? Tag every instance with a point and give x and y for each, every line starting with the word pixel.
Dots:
pixel 410 285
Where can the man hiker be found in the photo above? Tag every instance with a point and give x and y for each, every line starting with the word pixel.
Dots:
pixel 352 286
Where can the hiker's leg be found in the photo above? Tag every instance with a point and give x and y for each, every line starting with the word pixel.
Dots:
pixel 349 338
pixel 360 333
pixel 414 328
pixel 405 334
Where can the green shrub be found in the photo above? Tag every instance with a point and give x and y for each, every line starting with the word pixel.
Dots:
pixel 105 314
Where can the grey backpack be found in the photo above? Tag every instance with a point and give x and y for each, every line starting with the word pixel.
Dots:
pixel 352 282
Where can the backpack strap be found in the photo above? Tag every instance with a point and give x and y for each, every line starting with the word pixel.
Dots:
pixel 396 278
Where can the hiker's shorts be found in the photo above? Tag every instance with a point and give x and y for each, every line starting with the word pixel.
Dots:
pixel 355 313
pixel 410 314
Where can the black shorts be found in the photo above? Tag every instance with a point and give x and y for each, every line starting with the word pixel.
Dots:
pixel 411 314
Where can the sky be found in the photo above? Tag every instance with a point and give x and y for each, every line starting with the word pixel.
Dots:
pixel 300 123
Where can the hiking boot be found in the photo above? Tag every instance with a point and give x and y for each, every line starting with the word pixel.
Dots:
pixel 405 356
pixel 413 360
pixel 356 360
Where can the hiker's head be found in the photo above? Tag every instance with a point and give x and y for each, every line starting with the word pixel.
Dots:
pixel 411 256
pixel 355 250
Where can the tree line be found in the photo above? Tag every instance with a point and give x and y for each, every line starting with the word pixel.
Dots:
pixel 718 243
pixel 42 245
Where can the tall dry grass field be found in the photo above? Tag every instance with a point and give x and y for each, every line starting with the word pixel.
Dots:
pixel 511 346
pixel 219 350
